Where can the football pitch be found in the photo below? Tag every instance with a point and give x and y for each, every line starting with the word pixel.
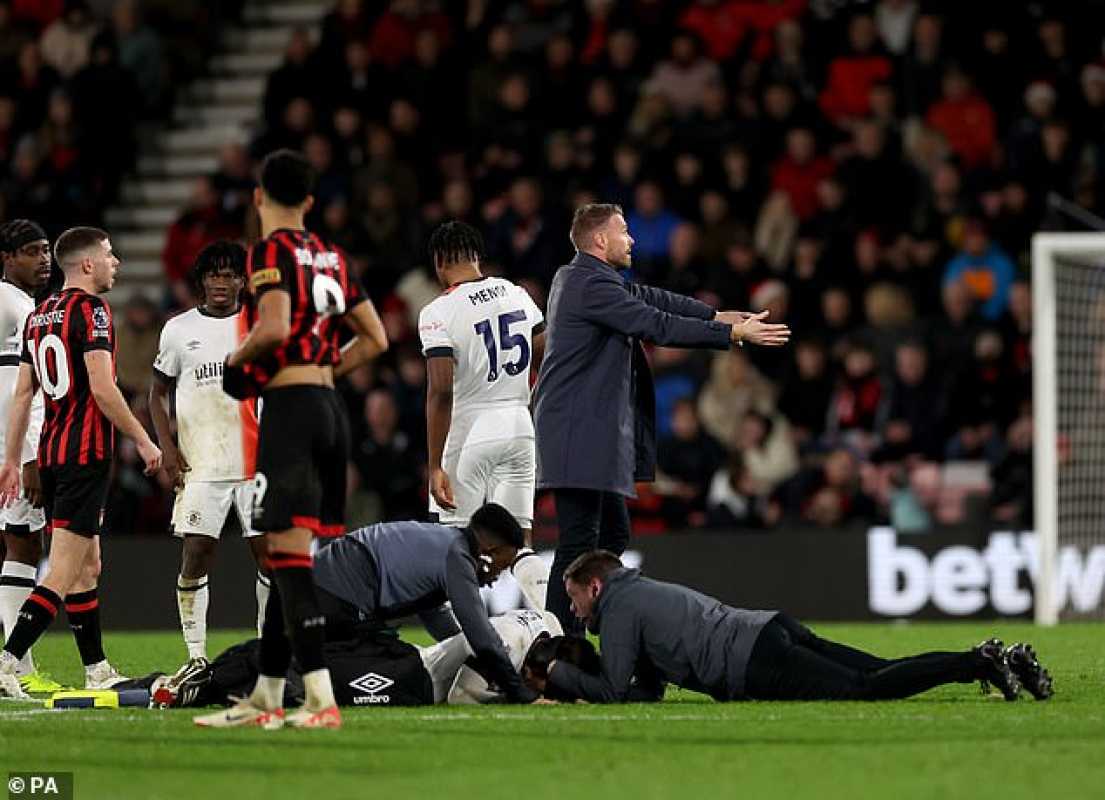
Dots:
pixel 948 743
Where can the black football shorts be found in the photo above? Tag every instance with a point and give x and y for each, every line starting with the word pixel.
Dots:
pixel 74 496
pixel 302 450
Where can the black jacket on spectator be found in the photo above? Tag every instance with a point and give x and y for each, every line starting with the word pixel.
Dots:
pixel 595 411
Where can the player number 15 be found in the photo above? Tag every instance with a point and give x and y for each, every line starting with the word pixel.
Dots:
pixel 507 342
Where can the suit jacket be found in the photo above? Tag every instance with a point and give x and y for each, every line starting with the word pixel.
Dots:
pixel 595 409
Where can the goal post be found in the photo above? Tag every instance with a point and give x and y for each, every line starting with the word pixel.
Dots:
pixel 1068 404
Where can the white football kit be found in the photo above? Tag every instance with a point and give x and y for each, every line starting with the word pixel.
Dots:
pixel 15 306
pixel 216 434
pixel 456 683
pixel 487 327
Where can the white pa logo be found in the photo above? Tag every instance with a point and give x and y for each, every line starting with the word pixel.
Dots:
pixel 371 684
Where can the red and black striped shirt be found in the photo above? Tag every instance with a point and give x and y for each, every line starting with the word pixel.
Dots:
pixel 56 336
pixel 316 276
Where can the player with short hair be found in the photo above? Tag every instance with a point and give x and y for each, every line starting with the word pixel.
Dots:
pixel 25 250
pixel 393 569
pixel 358 642
pixel 653 633
pixel 302 291
pixel 212 466
pixel 481 338
pixel 69 350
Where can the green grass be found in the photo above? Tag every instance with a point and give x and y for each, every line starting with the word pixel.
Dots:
pixel 948 743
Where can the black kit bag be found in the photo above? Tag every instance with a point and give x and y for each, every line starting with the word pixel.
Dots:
pixel 378 669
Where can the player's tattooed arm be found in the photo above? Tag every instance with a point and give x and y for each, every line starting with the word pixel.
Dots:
pixel 369 341
pixel 274 323
pixel 439 417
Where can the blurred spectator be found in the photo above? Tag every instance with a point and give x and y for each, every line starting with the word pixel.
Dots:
pixel 922 66
pixel 799 171
pixel 734 388
pixel 106 103
pixel 12 35
pixel 31 86
pixel 140 52
pixel 965 119
pixel 807 391
pixel 136 336
pixel 988 397
pixel 881 186
pixel 522 241
pixel 914 407
pixel 850 77
pixel 1011 501
pixel 382 165
pixel 233 181
pixel 984 269
pixel 895 22
pixel 853 411
pixel 389 463
pixel 682 80
pixel 200 224
pixel 686 461
pixel 67 43
pixel 294 78
pixel 828 495
pixel 357 82
pixel 651 225
pixel 675 377
pixel 392 41
pixel 766 444
pixel 733 499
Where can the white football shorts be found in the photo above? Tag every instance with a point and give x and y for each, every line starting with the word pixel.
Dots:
pixel 502 471
pixel 22 517
pixel 202 507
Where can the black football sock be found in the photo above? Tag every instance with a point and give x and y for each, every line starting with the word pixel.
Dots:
pixel 35 616
pixel 83 610
pixel 304 622
pixel 276 650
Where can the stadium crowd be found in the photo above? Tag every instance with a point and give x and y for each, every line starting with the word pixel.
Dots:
pixel 869 172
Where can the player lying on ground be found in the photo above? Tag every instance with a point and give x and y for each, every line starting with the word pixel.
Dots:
pixel 69 350
pixel 379 669
pixel 211 459
pixel 653 633
pixel 395 569
pixel 26 256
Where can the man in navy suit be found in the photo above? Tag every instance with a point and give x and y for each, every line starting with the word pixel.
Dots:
pixel 595 414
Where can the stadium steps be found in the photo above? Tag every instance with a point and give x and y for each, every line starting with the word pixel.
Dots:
pixel 221 108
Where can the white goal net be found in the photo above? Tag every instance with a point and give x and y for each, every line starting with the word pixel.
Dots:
pixel 1068 344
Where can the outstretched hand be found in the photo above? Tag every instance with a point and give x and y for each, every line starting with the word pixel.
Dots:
pixel 766 334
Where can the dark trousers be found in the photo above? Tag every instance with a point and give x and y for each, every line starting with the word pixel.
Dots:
pixel 588 519
pixel 789 662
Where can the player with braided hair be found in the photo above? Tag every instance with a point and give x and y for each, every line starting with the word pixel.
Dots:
pixel 211 460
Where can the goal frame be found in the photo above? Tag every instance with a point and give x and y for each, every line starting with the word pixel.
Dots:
pixel 1045 478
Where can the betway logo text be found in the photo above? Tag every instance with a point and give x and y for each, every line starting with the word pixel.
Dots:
pixel 960 580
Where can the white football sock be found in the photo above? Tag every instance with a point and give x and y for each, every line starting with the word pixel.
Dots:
pixel 268 693
pixel 262 591
pixel 318 689
pixel 532 575
pixel 13 594
pixel 191 600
